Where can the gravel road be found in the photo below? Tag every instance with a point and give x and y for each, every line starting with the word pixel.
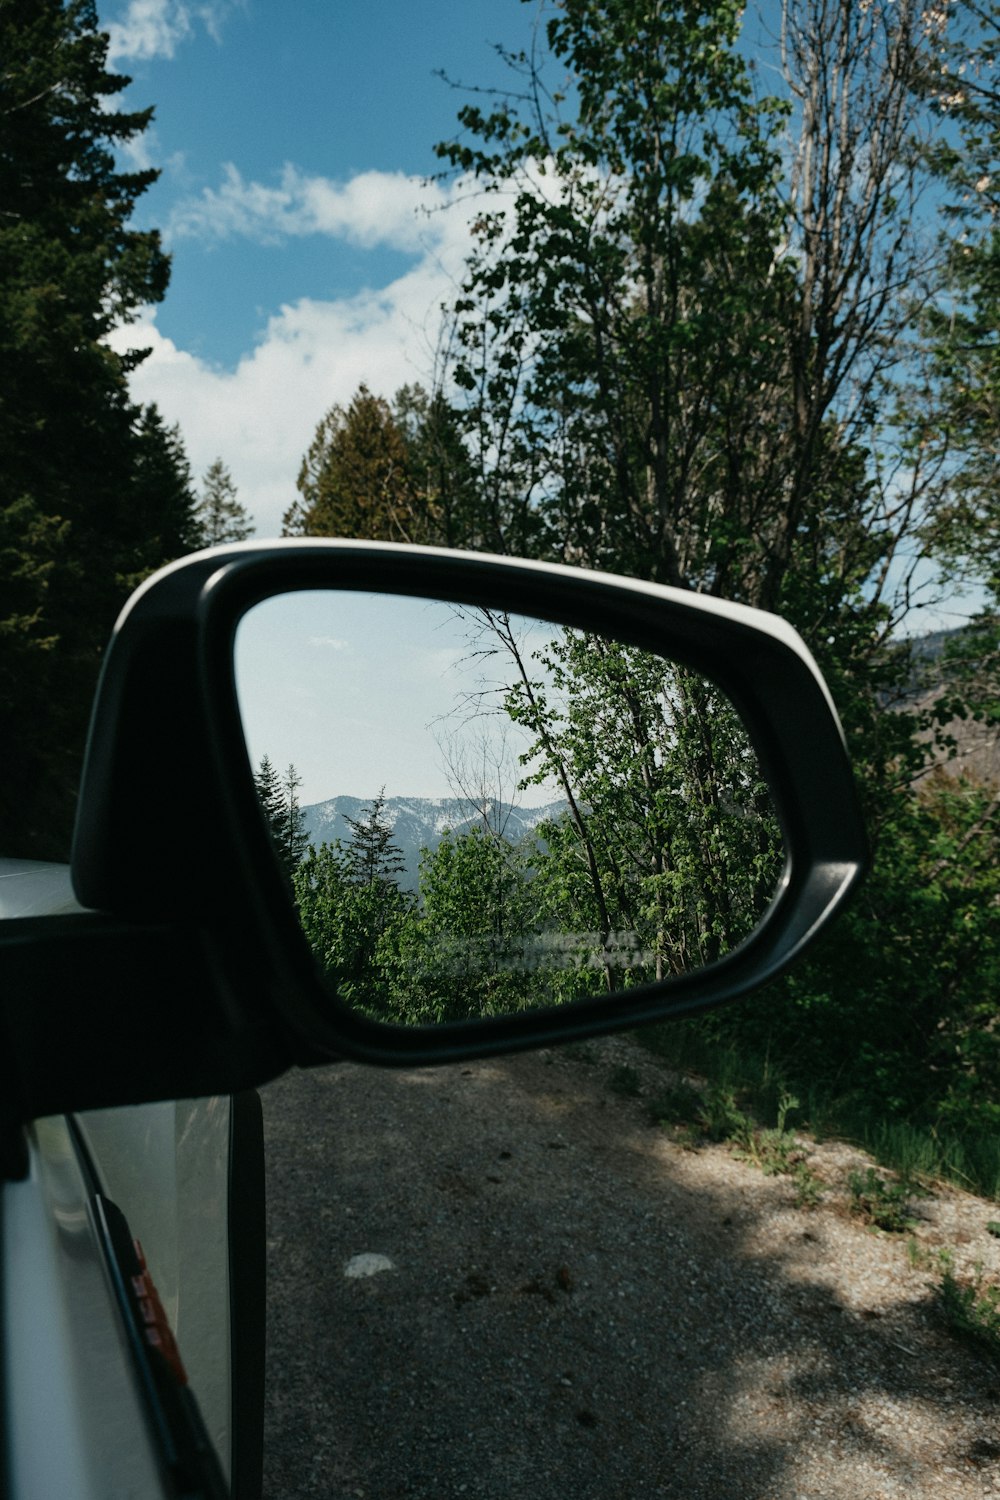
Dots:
pixel 563 1301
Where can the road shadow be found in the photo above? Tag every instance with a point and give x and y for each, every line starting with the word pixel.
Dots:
pixel 576 1307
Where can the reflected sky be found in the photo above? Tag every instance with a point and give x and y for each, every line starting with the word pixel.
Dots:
pixel 363 691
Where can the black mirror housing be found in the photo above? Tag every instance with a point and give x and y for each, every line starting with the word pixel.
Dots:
pixel 167 738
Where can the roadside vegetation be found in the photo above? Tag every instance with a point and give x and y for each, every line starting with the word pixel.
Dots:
pixel 917 1143
pixel 767 1131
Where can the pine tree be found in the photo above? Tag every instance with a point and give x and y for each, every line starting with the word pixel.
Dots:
pixel 294 837
pixel 355 480
pixel 163 494
pixel 278 796
pixel 268 784
pixel 442 477
pixel 373 858
pixel 220 515
pixel 396 471
pixel 77 521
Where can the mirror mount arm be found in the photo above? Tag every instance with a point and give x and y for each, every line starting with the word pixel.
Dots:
pixel 98 1012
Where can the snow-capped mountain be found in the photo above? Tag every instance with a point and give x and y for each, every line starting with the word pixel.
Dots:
pixel 419 822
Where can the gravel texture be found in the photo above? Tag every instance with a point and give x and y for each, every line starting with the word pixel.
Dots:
pixel 503 1280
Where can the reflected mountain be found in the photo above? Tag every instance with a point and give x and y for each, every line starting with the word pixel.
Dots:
pixel 419 822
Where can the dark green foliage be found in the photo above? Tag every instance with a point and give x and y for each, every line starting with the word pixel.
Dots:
pixel 678 1103
pixel 956 412
pixel 625 1082
pixel 280 805
pixel 389 473
pixel 93 494
pixel 970 1308
pixel 479 916
pixel 880 1203
pixel 354 914
pixel 708 413
pixel 354 481
pixel 354 929
pixel 621 297
pixel 441 475
pixel 164 498
pixel 669 840
pixel 667 856
pixel 721 1113
pixel 672 366
pixel 896 1006
pixel 373 859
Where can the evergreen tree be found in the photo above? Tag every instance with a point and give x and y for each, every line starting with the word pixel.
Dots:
pixel 163 494
pixel 268 783
pixel 373 859
pixel 294 838
pixel 398 472
pixel 221 517
pixel 77 523
pixel 353 911
pixel 355 479
pixel 279 803
pixel 354 929
pixel 441 472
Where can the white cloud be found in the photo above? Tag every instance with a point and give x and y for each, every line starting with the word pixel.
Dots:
pixel 156 28
pixel 261 416
pixel 373 208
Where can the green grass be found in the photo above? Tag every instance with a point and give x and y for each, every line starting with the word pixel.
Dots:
pixel 625 1082
pixel 718 1114
pixel 883 1204
pixel 914 1149
pixel 970 1308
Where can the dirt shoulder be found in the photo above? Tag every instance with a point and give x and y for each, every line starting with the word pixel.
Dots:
pixel 567 1299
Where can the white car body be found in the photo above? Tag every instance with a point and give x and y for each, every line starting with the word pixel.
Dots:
pixel 77 1425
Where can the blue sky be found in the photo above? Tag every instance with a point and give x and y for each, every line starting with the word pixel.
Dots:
pixel 309 254
pixel 364 691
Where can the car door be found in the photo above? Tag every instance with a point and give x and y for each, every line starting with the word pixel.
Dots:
pixel 181 1175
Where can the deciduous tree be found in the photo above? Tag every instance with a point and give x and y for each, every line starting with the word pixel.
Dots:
pixel 677 354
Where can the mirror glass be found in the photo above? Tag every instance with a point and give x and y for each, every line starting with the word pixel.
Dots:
pixel 481 813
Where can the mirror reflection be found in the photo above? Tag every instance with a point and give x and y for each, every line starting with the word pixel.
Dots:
pixel 481 813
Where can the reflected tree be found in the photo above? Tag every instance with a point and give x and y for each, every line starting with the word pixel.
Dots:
pixel 664 859
pixel 278 796
pixel 668 851
pixel 353 910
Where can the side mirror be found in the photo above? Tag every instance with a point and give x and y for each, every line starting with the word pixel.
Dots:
pixel 696 820
pixel 699 797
